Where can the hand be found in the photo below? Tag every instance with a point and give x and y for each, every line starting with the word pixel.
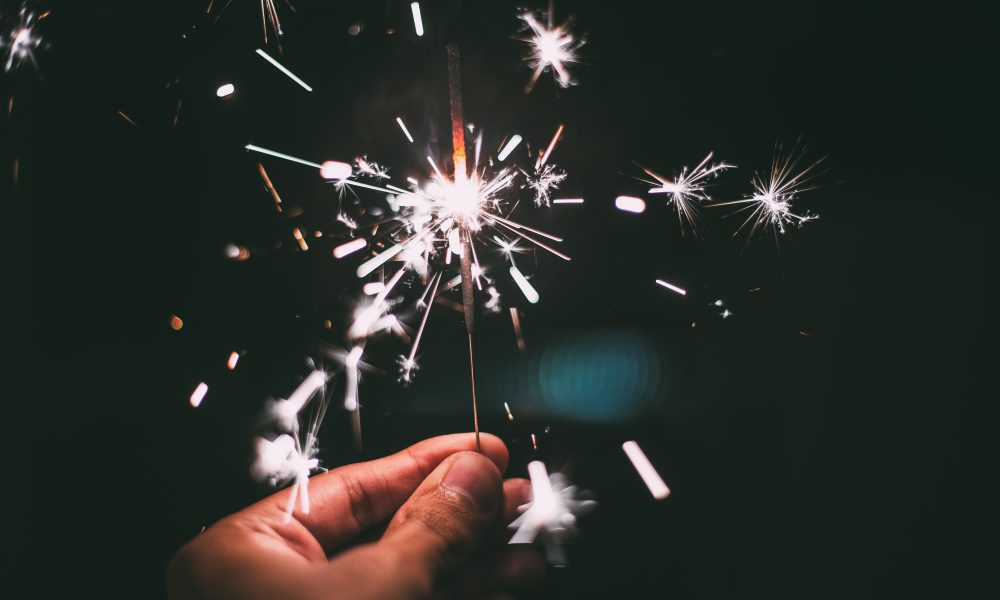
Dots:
pixel 446 508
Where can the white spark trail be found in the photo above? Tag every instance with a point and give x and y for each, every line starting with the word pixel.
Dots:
pixel 282 68
pixel 650 477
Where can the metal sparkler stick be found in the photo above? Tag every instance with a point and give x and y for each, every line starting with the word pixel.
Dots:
pixel 461 174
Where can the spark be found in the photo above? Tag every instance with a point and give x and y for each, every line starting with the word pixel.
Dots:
pixel 335 169
pixel 198 394
pixel 270 187
pixel 237 253
pixel 672 287
pixel 234 357
pixel 225 90
pixel 284 460
pixel 509 147
pixel 549 46
pixel 408 363
pixel 544 182
pixel 282 68
pixel 529 292
pixel 515 319
pixel 351 365
pixel 297 234
pixel 268 17
pixel 418 22
pixel 770 205
pixel 650 477
pixel 21 42
pixel 176 323
pixel 567 201
pixel 307 163
pixel 402 126
pixel 128 119
pixel 548 150
pixel 630 204
pixel 688 189
pixel 286 412
pixel 551 514
pixel 350 247
pixel 510 416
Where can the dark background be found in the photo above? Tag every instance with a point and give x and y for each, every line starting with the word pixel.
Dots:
pixel 856 461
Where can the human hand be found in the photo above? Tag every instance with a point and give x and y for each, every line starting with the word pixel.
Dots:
pixel 446 508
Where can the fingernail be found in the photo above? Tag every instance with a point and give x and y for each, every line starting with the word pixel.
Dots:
pixel 471 476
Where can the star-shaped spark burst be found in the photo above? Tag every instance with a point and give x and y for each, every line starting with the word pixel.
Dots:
pixel 549 47
pixel 21 41
pixel 551 514
pixel 688 190
pixel 770 205
pixel 291 456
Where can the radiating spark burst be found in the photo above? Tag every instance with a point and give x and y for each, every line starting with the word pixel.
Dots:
pixel 688 189
pixel 21 41
pixel 550 46
pixel 770 205
pixel 543 182
pixel 291 456
pixel 551 514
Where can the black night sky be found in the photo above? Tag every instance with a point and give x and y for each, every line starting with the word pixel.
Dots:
pixel 833 438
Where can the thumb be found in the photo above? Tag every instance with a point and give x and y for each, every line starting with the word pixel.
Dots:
pixel 437 530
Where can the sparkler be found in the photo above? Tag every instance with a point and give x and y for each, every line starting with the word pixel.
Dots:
pixel 551 514
pixel 770 205
pixel 688 189
pixel 21 42
pixel 550 47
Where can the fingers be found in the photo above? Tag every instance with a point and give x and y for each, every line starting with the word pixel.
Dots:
pixel 348 500
pixel 438 529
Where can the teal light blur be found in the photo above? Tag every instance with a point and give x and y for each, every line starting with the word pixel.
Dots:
pixel 601 376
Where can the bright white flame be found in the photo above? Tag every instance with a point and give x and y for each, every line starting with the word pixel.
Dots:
pixel 282 68
pixel 514 141
pixel 352 246
pixel 225 90
pixel 199 394
pixel 671 286
pixel 645 468
pixel 630 204
pixel 529 292
pixel 418 22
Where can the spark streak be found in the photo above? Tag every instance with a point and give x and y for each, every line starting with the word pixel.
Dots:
pixel 567 201
pixel 645 468
pixel 352 246
pixel 630 204
pixel 672 287
pixel 198 394
pixel 418 22
pixel 509 147
pixel 529 292
pixel 402 126
pixel 282 68
pixel 688 189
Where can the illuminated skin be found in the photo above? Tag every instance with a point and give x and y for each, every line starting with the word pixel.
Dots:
pixel 442 508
